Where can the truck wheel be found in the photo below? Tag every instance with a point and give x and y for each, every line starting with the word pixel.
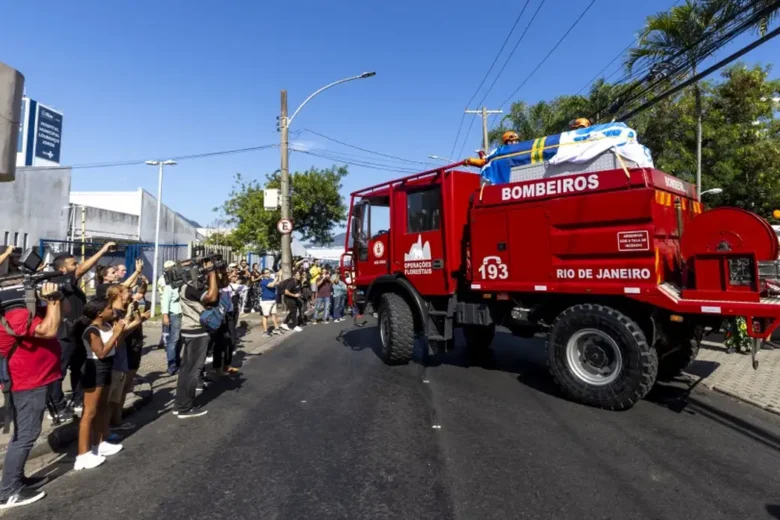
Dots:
pixel 600 357
pixel 396 329
pixel 479 337
pixel 674 363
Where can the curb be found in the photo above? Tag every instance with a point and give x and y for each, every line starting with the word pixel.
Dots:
pixel 48 449
pixel 766 407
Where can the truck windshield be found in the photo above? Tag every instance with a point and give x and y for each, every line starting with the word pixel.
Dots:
pixel 371 219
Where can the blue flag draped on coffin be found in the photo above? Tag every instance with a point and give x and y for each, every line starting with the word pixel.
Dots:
pixel 578 146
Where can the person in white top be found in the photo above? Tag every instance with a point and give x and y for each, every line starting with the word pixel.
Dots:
pixel 101 338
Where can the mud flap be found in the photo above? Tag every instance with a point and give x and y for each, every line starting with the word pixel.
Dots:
pixel 757 344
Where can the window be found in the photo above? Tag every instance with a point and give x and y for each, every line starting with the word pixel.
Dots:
pixel 423 210
pixel 7 236
pixel 16 239
pixel 25 240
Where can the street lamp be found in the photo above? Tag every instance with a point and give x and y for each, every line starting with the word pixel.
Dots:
pixel 161 165
pixel 439 158
pixel 713 191
pixel 284 124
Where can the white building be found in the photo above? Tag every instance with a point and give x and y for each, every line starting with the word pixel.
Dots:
pixel 34 206
pixel 130 216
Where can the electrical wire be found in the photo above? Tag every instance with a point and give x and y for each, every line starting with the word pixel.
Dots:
pixel 485 77
pixel 331 157
pixel 139 162
pixel 359 158
pixel 365 149
pixel 544 60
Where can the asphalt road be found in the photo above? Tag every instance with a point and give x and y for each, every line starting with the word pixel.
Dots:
pixel 319 428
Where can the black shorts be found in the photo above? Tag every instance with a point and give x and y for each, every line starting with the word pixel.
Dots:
pixel 97 372
pixel 135 346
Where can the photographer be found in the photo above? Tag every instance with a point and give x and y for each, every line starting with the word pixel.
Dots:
pixel 29 345
pixel 69 334
pixel 194 299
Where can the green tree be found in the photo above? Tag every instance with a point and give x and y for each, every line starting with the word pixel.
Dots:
pixel 677 38
pixel 741 137
pixel 766 10
pixel 317 206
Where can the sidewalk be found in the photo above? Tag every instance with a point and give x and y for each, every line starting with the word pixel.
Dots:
pixel 151 384
pixel 733 374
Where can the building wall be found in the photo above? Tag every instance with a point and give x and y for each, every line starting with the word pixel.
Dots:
pixel 173 228
pixel 122 201
pixel 103 223
pixel 35 205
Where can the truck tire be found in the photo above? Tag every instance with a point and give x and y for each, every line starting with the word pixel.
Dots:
pixel 396 329
pixel 673 364
pixel 479 337
pixel 600 357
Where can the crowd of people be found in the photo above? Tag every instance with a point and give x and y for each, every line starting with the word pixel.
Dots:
pixel 97 341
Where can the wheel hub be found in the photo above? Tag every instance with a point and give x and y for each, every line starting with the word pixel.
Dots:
pixel 594 357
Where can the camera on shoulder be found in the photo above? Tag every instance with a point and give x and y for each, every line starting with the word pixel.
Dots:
pixel 193 271
pixel 23 288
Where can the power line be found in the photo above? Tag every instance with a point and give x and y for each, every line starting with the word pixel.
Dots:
pixel 704 73
pixel 358 158
pixel 633 42
pixel 676 71
pixel 485 77
pixel 139 162
pixel 506 62
pixel 365 149
pixel 331 157
pixel 577 21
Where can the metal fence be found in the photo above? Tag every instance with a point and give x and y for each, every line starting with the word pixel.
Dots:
pixel 123 253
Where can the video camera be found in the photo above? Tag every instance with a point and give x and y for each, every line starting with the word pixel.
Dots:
pixel 193 271
pixel 22 288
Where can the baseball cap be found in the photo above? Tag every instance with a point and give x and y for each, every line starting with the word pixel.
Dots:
pixel 168 264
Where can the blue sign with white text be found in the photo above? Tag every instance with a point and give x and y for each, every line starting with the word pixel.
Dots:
pixel 48 134
pixel 20 143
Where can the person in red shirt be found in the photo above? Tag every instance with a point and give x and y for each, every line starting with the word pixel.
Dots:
pixel 33 364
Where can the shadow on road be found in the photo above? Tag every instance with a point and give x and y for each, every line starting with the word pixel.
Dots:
pixel 774 510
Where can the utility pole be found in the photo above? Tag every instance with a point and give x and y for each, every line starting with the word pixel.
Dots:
pixel 484 112
pixel 285 189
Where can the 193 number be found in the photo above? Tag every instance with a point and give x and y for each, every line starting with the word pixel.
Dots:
pixel 493 271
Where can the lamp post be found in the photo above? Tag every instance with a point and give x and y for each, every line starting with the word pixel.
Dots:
pixel 713 191
pixel 440 158
pixel 161 165
pixel 284 126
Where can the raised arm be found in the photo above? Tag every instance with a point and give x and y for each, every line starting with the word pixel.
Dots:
pixel 48 327
pixel 90 262
pixel 7 253
pixel 139 267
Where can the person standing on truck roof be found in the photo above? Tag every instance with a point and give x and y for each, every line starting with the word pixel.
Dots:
pixel 509 138
pixel 580 122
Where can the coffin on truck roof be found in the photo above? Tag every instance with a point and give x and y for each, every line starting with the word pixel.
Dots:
pixel 596 148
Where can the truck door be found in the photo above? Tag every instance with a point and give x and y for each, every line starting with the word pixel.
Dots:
pixel 419 247
pixel 370 235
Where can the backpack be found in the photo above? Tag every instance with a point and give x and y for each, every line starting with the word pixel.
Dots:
pixel 212 318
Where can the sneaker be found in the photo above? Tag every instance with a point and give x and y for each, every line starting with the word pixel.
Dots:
pixel 77 408
pixel 266 334
pixel 276 332
pixel 298 329
pixel 209 360
pixel 192 412
pixel 35 482
pixel 106 449
pixel 172 371
pixel 124 426
pixel 22 497
pixel 88 461
pixel 285 326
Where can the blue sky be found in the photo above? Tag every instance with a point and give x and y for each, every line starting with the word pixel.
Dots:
pixel 148 79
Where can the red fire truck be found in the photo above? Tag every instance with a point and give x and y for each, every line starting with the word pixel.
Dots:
pixel 622 269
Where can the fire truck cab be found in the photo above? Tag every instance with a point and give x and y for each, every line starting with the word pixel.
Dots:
pixel 619 267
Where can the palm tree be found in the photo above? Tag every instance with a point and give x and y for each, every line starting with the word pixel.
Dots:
pixel 678 38
pixel 745 9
